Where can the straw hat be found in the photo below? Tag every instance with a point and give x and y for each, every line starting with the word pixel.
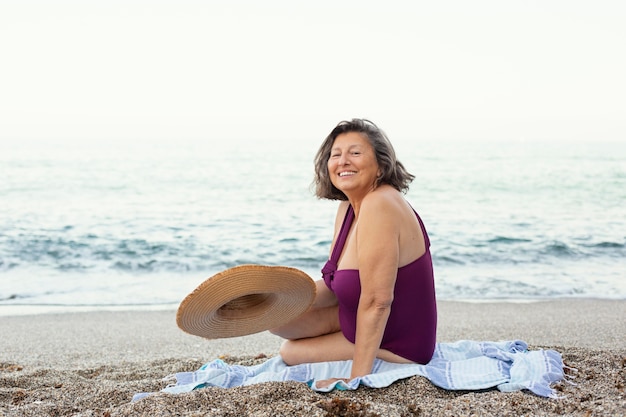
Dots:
pixel 244 300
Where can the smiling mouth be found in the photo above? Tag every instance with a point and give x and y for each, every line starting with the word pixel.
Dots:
pixel 346 173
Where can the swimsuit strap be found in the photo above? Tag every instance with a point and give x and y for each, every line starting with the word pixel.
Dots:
pixel 343 235
pixel 426 239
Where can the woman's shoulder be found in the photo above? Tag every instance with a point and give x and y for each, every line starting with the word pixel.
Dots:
pixel 384 198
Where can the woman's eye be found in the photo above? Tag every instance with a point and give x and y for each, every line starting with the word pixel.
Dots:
pixel 356 153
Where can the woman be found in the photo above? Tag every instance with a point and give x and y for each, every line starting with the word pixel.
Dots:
pixel 377 298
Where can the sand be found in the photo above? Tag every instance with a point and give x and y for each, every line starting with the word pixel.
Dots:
pixel 91 364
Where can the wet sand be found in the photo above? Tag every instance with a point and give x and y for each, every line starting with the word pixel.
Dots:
pixel 91 364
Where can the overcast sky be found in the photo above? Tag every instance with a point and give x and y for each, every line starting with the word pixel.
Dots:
pixel 454 69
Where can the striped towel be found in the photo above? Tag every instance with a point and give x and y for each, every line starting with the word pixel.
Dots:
pixel 463 365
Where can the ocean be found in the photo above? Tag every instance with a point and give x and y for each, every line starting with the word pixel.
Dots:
pixel 139 224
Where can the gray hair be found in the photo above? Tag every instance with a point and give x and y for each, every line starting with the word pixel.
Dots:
pixel 392 170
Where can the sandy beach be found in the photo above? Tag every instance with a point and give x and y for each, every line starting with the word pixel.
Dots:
pixel 91 364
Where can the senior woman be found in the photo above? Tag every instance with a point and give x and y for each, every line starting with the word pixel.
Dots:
pixel 377 296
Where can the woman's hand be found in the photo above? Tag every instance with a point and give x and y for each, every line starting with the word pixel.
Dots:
pixel 324 383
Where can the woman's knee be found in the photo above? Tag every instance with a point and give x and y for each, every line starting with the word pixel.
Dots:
pixel 288 353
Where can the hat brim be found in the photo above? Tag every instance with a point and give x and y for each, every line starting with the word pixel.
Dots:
pixel 246 299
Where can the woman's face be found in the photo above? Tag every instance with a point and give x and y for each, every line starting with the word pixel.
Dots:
pixel 352 165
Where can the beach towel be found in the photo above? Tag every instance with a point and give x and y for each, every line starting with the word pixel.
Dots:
pixel 463 365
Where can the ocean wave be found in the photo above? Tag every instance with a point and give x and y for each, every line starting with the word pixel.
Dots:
pixel 504 250
pixel 444 259
pixel 12 297
pixel 93 253
pixel 504 239
pixel 608 245
pixel 559 249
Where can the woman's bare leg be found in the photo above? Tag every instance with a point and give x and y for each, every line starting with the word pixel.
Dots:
pixel 310 324
pixel 329 347
pixel 322 318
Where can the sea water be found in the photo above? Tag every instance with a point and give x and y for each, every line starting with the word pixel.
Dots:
pixel 140 224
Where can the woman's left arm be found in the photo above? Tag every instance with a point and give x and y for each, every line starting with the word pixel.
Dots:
pixel 378 237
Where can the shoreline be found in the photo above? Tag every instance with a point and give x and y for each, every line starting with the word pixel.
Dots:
pixel 91 363
pixel 25 309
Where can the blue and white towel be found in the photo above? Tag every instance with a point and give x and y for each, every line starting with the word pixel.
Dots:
pixel 463 365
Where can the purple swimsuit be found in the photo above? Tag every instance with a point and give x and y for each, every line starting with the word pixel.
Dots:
pixel 412 324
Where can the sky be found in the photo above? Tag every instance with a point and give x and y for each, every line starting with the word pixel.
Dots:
pixel 288 70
